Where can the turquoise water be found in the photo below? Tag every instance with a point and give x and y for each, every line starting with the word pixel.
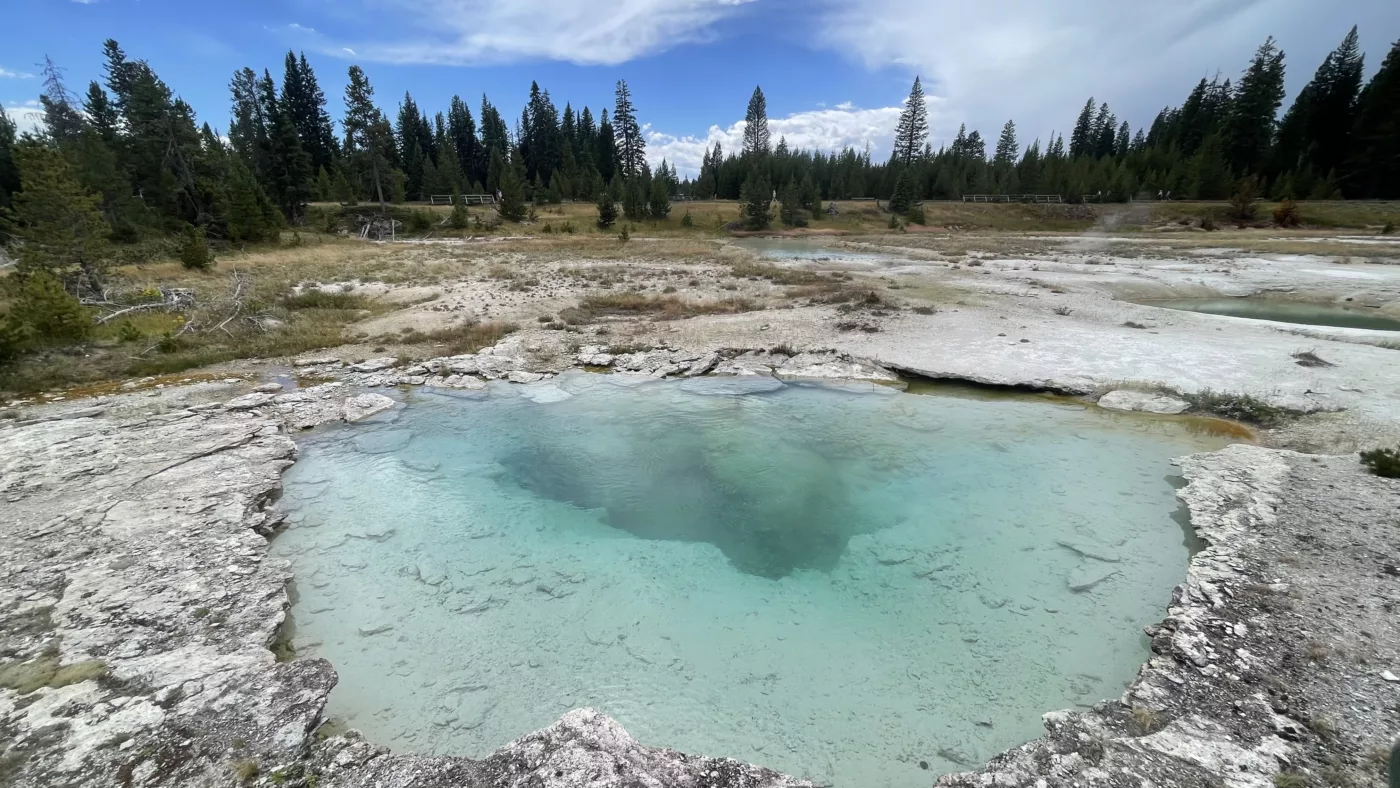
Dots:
pixel 840 583
pixel 1303 313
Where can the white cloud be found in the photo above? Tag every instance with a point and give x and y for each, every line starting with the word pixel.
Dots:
pixel 28 116
pixel 5 73
pixel 85 2
pixel 828 129
pixel 469 32
pixel 1037 61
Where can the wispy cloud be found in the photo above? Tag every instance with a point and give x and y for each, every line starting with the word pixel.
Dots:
pixel 470 32
pixel 1040 60
pixel 827 129
pixel 5 73
pixel 85 2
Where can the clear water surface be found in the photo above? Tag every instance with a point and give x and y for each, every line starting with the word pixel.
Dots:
pixel 837 582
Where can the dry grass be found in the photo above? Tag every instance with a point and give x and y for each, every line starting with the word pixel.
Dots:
pixel 466 338
pixel 662 307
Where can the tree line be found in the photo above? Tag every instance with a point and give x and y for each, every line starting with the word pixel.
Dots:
pixel 148 165
pixel 1339 139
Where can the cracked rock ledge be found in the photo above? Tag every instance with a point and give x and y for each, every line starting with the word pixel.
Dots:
pixel 138 606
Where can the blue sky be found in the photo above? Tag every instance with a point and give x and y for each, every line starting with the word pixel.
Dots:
pixel 834 71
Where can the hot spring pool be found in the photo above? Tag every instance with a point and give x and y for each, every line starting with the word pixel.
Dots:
pixel 1299 312
pixel 840 583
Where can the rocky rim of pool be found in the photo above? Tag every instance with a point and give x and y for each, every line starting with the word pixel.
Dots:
pixel 177 503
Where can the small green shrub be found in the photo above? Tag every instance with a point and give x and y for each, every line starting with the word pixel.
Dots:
pixel 894 222
pixel 129 332
pixel 1388 228
pixel 1383 462
pixel 916 215
pixel 194 250
pixel 1286 214
pixel 1240 407
pixel 459 218
pixel 626 234
pixel 48 313
pixel 687 221
pixel 420 221
pixel 1243 204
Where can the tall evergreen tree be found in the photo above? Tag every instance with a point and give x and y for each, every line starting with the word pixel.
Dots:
pixel 911 134
pixel 631 148
pixel 365 134
pixel 1249 127
pixel 461 128
pixel 304 100
pixel 61 117
pixel 1375 162
pixel 1007 147
pixel 1315 133
pixel 59 229
pixel 512 206
pixel 606 155
pixel 755 198
pixel 1082 140
pixel 756 137
pixel 9 169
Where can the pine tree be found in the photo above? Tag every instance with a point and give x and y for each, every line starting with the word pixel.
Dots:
pixel 365 134
pixel 9 170
pixel 512 207
pixel 56 222
pixel 43 309
pixel 1249 128
pixel 755 197
pixel 659 200
pixel 631 148
pixel 1375 164
pixel 1210 171
pixel 1007 147
pixel 459 218
pixel 792 213
pixel 634 199
pixel 495 170
pixel 194 250
pixel 289 169
pixel 246 214
pixel 61 117
pixel 911 135
pixel 810 196
pixel 903 197
pixel 461 128
pixel 607 209
pixel 305 103
pixel 1105 130
pixel 1082 141
pixel 324 189
pixel 756 138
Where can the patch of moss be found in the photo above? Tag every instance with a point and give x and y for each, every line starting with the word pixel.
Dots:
pixel 45 671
